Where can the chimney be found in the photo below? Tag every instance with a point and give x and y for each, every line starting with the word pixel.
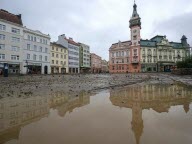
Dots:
pixel 70 38
pixel 63 35
pixel 19 16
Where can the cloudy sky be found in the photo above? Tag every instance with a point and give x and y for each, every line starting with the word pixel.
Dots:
pixel 99 23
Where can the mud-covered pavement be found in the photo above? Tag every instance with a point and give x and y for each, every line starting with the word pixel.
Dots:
pixel 74 84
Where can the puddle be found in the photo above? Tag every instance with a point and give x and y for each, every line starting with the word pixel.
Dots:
pixel 138 114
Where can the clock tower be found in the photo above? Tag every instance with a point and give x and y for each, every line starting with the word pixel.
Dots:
pixel 135 27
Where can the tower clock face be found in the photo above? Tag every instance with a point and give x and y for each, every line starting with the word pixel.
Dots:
pixel 134 31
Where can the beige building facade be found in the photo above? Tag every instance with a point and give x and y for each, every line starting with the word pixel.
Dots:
pixel 59 59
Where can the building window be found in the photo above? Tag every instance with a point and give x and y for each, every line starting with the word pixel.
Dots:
pixel 56 49
pixel 144 60
pixel 53 55
pixel 122 54
pixel 62 56
pixel 15 39
pixel 15 48
pixel 2 27
pixel 14 57
pixel 28 46
pixel 35 39
pixel 52 48
pixel 40 40
pixel 52 61
pixel 2 46
pixel 40 57
pixel 40 49
pixel 28 56
pixel 43 41
pixel 45 58
pixel 35 48
pixel 61 62
pixel 64 51
pixel 2 37
pixel 57 62
pixel 31 38
pixel 28 37
pixel 57 56
pixel 61 50
pixel 2 56
pixel 46 50
pixel 14 30
pixel 112 54
pixel 135 37
pixel 34 57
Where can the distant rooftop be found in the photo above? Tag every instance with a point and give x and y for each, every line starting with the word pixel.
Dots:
pixel 5 15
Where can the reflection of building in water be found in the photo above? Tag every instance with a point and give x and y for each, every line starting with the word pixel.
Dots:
pixel 66 103
pixel 159 98
pixel 18 112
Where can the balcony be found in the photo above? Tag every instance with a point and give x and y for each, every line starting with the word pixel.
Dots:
pixel 135 61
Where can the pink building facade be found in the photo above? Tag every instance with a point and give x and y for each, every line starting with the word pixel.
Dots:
pixel 124 57
pixel 95 63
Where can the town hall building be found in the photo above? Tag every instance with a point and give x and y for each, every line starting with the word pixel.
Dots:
pixel 138 55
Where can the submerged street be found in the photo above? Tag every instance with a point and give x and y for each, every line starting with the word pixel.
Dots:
pixel 146 112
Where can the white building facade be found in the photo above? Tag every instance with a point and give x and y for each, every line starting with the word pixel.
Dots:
pixel 73 53
pixel 36 52
pixel 11 35
pixel 84 55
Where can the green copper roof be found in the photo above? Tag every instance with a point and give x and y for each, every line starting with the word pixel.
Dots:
pixel 147 43
pixel 176 45
pixel 157 38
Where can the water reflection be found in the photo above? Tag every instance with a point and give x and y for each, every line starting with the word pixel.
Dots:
pixel 19 111
pixel 160 98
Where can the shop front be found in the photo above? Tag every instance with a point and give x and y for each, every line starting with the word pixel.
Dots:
pixel 1 69
pixel 166 67
pixel 149 67
pixel 34 68
pixel 14 68
pixel 55 69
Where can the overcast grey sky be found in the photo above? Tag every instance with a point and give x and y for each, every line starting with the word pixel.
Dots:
pixel 99 23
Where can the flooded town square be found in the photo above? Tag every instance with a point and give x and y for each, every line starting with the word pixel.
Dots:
pixel 141 109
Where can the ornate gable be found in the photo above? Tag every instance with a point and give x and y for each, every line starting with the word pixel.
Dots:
pixel 164 42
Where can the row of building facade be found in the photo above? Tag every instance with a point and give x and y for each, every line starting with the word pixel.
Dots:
pixel 138 55
pixel 27 51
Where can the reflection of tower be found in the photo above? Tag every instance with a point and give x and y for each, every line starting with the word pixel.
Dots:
pixel 186 107
pixel 137 121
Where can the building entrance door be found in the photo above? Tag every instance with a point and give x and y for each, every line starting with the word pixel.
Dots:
pixel 46 70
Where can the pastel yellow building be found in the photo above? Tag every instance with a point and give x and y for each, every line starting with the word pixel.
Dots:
pixel 59 59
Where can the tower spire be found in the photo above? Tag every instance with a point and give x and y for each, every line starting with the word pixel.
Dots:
pixel 135 14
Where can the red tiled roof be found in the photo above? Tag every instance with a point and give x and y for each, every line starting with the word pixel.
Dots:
pixel 5 15
pixel 72 42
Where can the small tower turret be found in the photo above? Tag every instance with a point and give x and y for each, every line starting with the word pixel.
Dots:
pixel 184 41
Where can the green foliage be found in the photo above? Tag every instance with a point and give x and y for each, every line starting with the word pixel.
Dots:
pixel 187 63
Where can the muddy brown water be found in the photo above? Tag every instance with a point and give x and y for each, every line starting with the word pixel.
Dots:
pixel 138 114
